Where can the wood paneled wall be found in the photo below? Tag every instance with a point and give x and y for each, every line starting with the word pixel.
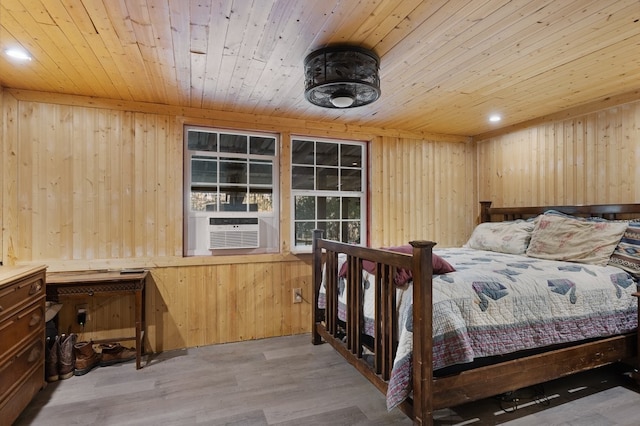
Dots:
pixel 422 191
pixel 97 184
pixel 589 159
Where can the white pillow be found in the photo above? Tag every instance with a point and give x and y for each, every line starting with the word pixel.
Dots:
pixel 502 237
pixel 574 240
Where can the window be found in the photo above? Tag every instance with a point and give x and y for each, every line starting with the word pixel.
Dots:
pixel 328 184
pixel 231 180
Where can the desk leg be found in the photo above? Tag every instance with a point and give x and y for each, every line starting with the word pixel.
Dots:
pixel 138 313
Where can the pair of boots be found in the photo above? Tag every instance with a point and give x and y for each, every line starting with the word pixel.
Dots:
pixel 86 358
pixel 59 357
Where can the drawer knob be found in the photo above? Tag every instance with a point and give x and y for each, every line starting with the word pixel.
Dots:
pixel 34 355
pixel 35 287
pixel 35 319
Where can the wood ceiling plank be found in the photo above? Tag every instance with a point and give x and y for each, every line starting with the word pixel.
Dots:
pixel 344 19
pixel 544 55
pixel 161 19
pixel 179 17
pixel 286 59
pixel 119 36
pixel 138 13
pixel 246 70
pixel 208 69
pixel 18 22
pixel 446 61
pixel 78 27
pixel 473 81
pixel 15 70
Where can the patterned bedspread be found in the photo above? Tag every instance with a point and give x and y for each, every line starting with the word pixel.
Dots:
pixel 499 303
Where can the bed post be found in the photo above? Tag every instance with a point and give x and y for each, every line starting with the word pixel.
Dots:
pixel 484 211
pixel 635 374
pixel 316 280
pixel 422 332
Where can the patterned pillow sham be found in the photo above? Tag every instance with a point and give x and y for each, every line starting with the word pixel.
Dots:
pixel 627 253
pixel 558 237
pixel 503 237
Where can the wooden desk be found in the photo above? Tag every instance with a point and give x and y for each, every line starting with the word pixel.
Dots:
pixel 95 283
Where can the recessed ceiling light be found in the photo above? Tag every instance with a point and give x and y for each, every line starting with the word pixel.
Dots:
pixel 18 54
pixel 495 118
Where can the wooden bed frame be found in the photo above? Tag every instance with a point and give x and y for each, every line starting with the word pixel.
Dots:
pixel 432 393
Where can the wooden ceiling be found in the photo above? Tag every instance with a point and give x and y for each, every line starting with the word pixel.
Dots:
pixel 445 65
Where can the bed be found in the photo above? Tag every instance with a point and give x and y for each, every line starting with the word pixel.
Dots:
pixel 387 311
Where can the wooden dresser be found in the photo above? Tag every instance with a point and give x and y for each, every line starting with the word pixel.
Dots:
pixel 22 337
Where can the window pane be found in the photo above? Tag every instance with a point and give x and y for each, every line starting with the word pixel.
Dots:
pixel 350 155
pixel 351 232
pixel 351 208
pixel 302 177
pixel 327 154
pixel 260 200
pixel 331 230
pixel 302 152
pixel 202 141
pixel 203 170
pixel 328 208
pixel 262 146
pixel 304 233
pixel 333 168
pixel 327 179
pixel 233 143
pixel 305 208
pixel 233 172
pixel 350 180
pixel 260 172
pixel 204 201
pixel 233 200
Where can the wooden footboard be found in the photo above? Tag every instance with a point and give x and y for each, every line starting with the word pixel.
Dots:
pixel 326 325
pixel 431 393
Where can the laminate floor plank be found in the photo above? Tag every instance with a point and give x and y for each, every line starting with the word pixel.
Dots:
pixel 288 381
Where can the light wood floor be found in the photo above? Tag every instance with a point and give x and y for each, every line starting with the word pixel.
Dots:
pixel 288 381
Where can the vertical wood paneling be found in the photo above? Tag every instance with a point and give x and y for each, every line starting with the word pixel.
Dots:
pixel 419 188
pixel 88 185
pixel 590 159
pixel 10 175
pixel 95 182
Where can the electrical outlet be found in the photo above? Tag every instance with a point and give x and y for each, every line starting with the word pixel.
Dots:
pixel 297 295
pixel 81 316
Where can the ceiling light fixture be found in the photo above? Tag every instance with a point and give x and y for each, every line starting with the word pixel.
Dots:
pixel 18 54
pixel 495 118
pixel 341 77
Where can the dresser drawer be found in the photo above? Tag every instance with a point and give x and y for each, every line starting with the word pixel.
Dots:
pixel 20 293
pixel 20 327
pixel 11 408
pixel 18 366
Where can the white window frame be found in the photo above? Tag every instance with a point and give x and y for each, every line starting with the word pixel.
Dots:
pixel 196 223
pixel 363 194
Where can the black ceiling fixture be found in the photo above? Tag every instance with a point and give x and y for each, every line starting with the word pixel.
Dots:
pixel 341 77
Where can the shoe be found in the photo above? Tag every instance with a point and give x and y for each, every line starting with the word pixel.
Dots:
pixel 113 353
pixel 66 358
pixel 86 358
pixel 51 349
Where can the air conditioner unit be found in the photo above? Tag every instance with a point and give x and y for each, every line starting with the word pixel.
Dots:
pixel 233 233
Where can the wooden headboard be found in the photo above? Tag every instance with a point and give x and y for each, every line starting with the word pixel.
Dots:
pixel 605 211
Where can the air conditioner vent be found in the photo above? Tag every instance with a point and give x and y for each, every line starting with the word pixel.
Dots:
pixel 234 232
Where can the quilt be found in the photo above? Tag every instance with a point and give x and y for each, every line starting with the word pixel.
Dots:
pixel 497 303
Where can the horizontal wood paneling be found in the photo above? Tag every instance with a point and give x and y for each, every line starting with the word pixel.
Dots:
pixel 589 159
pixel 95 184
